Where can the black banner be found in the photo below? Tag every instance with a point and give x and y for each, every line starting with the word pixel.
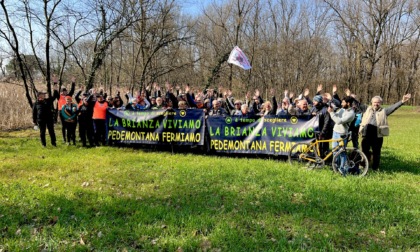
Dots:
pixel 266 135
pixel 179 127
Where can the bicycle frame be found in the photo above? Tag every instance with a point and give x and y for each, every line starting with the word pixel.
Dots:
pixel 315 146
pixel 310 153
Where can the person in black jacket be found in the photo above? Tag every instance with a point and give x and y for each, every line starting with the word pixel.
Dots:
pixel 325 123
pixel 43 116
pixel 217 109
pixel 85 113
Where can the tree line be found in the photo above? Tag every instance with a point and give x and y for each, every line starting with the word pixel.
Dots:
pixel 369 46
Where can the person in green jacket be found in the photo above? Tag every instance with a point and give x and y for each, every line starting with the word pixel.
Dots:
pixel 69 115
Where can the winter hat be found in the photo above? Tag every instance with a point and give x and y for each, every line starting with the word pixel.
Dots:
pixel 318 98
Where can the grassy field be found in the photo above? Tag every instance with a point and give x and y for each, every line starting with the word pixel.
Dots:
pixel 123 199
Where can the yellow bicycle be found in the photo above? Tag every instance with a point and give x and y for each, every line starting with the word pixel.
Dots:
pixel 310 154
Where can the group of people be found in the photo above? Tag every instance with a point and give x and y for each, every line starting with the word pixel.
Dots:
pixel 336 116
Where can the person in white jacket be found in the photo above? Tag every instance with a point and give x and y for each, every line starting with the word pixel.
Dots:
pixel 342 119
pixel 374 127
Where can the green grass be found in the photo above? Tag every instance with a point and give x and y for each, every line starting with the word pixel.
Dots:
pixel 124 199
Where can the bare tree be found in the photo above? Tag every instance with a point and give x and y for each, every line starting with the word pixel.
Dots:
pixel 372 29
pixel 113 19
pixel 10 35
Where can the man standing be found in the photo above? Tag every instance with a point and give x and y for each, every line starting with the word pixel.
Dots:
pixel 42 115
pixel 99 119
pixel 85 114
pixel 342 119
pixel 374 127
pixel 325 123
pixel 217 109
pixel 301 108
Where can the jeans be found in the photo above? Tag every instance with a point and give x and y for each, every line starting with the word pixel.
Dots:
pixel 343 156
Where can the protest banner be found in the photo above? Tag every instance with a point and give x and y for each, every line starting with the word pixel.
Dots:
pixel 163 127
pixel 269 135
pixel 266 135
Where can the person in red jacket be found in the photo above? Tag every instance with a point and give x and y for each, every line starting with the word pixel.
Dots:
pixel 99 119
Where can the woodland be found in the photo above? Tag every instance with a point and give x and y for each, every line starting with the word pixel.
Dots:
pixel 369 46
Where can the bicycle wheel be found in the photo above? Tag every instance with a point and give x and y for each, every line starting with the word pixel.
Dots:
pixel 357 163
pixel 299 152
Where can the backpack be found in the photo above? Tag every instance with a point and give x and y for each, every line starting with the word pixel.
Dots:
pixel 358 119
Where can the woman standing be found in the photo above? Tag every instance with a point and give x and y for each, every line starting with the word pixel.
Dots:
pixel 69 115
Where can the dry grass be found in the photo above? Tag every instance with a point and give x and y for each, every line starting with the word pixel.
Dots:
pixel 14 107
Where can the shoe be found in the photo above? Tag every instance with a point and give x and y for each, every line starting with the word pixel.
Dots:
pixel 355 170
pixel 343 171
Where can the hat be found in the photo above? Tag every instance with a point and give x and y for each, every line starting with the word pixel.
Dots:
pixel 336 103
pixel 41 92
pixel 348 99
pixel 318 98
pixel 85 94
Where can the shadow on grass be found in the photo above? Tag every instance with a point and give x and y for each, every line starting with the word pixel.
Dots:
pixel 392 162
pixel 189 212
pixel 199 150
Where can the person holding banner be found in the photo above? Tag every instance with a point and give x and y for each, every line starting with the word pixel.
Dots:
pixel 197 103
pixel 217 110
pixel 245 113
pixel 117 102
pixel 269 108
pixel 256 103
pixel 301 108
pixel 237 108
pixel 283 109
pixel 159 103
pixel 138 103
pixel 182 105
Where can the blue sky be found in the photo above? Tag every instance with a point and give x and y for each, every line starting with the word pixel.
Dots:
pixel 195 7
